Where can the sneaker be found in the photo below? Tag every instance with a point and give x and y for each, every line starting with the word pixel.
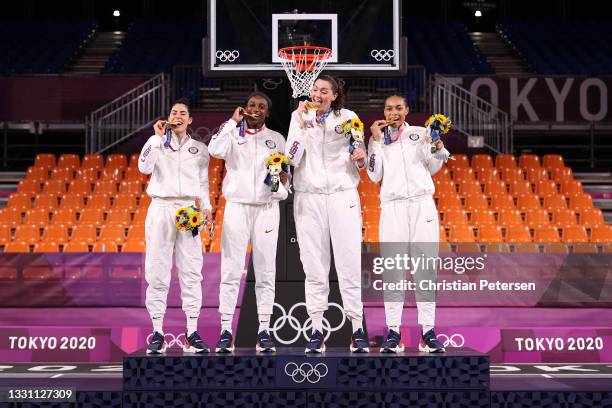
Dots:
pixel 264 342
pixel 157 345
pixel 316 344
pixel 430 344
pixel 195 344
pixel 359 342
pixel 225 343
pixel 393 343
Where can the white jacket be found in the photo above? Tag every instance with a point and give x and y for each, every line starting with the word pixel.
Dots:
pixel 177 172
pixel 321 156
pixel 245 161
pixel 405 166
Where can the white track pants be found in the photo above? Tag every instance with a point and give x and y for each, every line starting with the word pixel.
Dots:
pixel 259 225
pixel 163 238
pixel 319 218
pixel 415 224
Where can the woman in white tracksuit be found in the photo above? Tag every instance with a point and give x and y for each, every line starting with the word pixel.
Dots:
pixel 251 213
pixel 179 177
pixel 400 155
pixel 326 207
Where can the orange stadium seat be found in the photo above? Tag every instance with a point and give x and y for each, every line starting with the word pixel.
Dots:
pixel 137 231
pixel 100 200
pixel 454 216
pixel 84 233
pixel 37 173
pixel 473 201
pixel 92 216
pixel 526 247
pixel 69 160
pixel 10 216
pixel 30 186
pixel 502 201
pixel 75 201
pixel 37 216
pixel 93 160
pixel 45 159
pixel 80 186
pixel 145 200
pixel 125 200
pixel 17 246
pixel 537 174
pixel 553 201
pixel 133 161
pixel 574 233
pixel 450 200
pixel 482 161
pixel 461 233
pixel 580 201
pixel 601 233
pixel 555 248
pixel 461 161
pixel 584 248
pixel 482 216
pixel 569 187
pixel 62 173
pixel 509 216
pixel 546 233
pixel 443 237
pixel 484 175
pixel 512 175
pixel 132 186
pixel 55 233
pixel 529 161
pixel 46 246
pixel 544 187
pixel 497 247
pixel 442 174
pixel 132 173
pixel 89 174
pixel 5 234
pixel 559 174
pixel 20 201
pixel 56 186
pixel 445 186
pixel 112 173
pixel 105 246
pixel 517 233
pixel 505 161
pixel 64 216
pixel 562 217
pixel 119 216
pixel 551 161
pixel 106 187
pixel 590 217
pixel 462 173
pixel 27 233
pixel 469 187
pixel 140 215
pixel 494 187
pixel 46 200
pixel 520 187
pixel 534 217
pixel 134 246
pixel 489 233
pixel 525 202
pixel 76 246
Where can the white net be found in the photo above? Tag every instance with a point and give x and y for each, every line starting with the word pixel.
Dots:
pixel 303 65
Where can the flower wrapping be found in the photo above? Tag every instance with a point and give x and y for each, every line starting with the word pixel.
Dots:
pixel 189 219
pixel 352 129
pixel 275 165
pixel 438 124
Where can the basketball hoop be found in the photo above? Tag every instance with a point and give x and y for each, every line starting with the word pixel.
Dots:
pixel 303 64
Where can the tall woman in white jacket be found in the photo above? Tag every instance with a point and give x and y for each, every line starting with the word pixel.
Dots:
pixel 326 207
pixel 251 213
pixel 403 160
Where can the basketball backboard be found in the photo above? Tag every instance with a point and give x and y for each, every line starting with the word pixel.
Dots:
pixel 244 36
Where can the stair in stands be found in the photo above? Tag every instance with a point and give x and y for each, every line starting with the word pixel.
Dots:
pixel 499 54
pixel 96 53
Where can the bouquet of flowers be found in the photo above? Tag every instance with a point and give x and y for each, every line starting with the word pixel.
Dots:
pixel 352 129
pixel 438 124
pixel 188 219
pixel 275 165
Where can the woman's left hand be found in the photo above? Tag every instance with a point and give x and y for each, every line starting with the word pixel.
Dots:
pixel 359 156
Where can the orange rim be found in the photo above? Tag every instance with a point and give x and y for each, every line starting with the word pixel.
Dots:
pixel 307 53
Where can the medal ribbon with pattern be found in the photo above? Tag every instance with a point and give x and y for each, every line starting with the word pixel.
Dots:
pixel 387 134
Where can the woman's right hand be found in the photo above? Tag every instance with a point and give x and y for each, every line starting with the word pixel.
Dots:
pixel 238 116
pixel 377 128
pixel 160 127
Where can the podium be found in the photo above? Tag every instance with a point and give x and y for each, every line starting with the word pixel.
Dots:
pixel 290 378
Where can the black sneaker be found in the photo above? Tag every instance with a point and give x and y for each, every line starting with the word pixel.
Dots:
pixel 430 344
pixel 195 344
pixel 157 345
pixel 359 342
pixel 265 342
pixel 393 343
pixel 225 343
pixel 316 343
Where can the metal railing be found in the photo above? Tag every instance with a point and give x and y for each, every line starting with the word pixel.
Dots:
pixel 127 115
pixel 470 114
